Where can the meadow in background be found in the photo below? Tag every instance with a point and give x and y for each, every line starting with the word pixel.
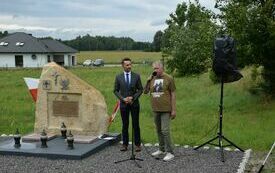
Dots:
pixel 114 57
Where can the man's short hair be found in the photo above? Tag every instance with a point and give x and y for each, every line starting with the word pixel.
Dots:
pixel 125 59
pixel 158 63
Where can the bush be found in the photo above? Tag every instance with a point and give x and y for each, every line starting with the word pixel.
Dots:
pixel 213 77
pixel 255 81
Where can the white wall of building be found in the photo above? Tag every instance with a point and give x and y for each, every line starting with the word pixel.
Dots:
pixel 68 59
pixel 39 61
pixel 75 59
pixel 8 60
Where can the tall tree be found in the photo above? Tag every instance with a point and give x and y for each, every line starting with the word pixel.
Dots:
pixel 189 39
pixel 252 24
pixel 157 41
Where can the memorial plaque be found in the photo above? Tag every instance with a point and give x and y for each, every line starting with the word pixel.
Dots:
pixel 66 108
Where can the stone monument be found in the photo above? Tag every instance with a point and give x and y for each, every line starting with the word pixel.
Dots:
pixel 63 97
pixel 64 103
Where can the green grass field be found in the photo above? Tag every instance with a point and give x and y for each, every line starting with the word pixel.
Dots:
pixel 248 120
pixel 116 56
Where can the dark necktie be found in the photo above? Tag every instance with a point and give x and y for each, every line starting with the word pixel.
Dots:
pixel 127 80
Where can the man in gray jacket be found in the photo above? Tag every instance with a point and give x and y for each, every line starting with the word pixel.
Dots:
pixel 128 88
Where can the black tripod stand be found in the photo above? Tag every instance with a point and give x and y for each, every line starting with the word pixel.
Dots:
pixel 220 136
pixel 133 156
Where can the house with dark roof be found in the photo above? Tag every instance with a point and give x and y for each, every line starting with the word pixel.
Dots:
pixel 23 50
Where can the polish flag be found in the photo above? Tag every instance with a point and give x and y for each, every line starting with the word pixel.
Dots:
pixel 116 108
pixel 32 84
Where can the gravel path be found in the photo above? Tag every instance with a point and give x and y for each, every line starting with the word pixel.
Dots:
pixel 186 160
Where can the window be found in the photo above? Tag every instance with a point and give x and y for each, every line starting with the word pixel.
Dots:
pixel 19 60
pixel 49 58
pixel 19 44
pixel 4 43
pixel 73 60
pixel 59 59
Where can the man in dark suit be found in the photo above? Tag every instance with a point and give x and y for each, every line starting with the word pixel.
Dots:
pixel 128 88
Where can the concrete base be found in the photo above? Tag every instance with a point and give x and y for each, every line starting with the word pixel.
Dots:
pixel 58 148
pixel 34 137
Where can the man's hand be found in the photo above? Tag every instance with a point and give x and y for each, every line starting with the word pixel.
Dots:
pixel 173 115
pixel 128 100
pixel 150 78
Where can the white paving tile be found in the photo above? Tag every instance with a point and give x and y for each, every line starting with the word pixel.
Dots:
pixel 148 145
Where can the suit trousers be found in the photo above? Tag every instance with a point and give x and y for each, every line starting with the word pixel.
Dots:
pixel 125 113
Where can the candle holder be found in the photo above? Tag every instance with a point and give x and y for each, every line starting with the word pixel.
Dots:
pixel 17 138
pixel 63 130
pixel 43 139
pixel 70 141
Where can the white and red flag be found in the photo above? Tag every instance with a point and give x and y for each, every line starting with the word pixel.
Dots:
pixel 116 108
pixel 32 84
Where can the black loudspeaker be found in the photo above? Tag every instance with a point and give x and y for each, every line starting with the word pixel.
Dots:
pixel 225 63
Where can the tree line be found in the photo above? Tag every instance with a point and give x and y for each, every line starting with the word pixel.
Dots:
pixel 90 43
pixel 3 34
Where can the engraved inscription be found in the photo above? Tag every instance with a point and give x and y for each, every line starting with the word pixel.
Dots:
pixel 55 75
pixel 65 84
pixel 46 84
pixel 66 108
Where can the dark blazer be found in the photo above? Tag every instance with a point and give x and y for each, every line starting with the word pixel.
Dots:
pixel 135 89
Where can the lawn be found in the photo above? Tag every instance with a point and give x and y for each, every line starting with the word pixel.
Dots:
pixel 248 119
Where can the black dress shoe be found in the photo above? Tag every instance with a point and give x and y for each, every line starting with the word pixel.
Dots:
pixel 138 148
pixel 123 148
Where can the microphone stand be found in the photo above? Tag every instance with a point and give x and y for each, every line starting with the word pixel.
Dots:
pixel 133 156
pixel 220 135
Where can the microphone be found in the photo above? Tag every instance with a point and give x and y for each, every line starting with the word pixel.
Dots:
pixel 151 76
pixel 147 87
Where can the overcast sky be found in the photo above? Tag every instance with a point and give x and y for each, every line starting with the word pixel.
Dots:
pixel 66 19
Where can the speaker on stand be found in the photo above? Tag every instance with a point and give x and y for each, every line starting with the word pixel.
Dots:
pixel 225 67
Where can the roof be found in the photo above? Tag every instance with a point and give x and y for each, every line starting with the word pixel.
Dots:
pixel 20 42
